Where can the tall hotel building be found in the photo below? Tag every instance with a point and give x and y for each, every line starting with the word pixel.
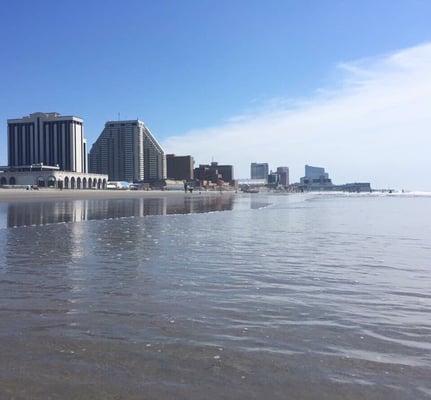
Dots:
pixel 47 138
pixel 127 151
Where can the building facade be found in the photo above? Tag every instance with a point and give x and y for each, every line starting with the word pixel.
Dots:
pixel 127 151
pixel 214 173
pixel 179 167
pixel 51 177
pixel 356 187
pixel 283 176
pixel 259 171
pixel 273 179
pixel 48 139
pixel 316 179
pixel 226 172
pixel 315 172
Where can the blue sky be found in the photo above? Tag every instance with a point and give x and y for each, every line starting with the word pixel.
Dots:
pixel 187 66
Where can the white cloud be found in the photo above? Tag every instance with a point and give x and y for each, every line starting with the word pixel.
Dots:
pixel 373 125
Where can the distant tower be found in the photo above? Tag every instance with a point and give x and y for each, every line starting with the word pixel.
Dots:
pixel 259 171
pixel 283 176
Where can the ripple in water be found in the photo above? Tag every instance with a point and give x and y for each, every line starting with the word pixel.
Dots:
pixel 322 297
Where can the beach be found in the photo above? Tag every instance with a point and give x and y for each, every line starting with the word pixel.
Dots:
pixel 8 195
pixel 166 295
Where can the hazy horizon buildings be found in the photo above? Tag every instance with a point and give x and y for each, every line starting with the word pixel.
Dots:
pixel 315 178
pixel 259 171
pixel 315 172
pixel 48 138
pixel 283 176
pixel 127 151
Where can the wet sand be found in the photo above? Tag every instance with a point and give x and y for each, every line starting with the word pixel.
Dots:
pixel 311 297
pixel 9 195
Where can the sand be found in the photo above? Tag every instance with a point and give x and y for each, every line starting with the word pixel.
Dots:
pixel 12 195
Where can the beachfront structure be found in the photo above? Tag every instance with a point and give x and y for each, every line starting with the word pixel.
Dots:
pixel 355 187
pixel 127 151
pixel 49 139
pixel 45 176
pixel 259 171
pixel 179 167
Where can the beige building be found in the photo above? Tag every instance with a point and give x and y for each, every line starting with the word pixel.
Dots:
pixel 127 151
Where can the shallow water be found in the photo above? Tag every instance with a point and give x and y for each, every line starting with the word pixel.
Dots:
pixel 299 296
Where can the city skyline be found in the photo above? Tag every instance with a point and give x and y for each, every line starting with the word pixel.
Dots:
pixel 210 82
pixel 125 151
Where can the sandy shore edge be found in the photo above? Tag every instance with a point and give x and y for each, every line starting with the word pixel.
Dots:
pixel 18 195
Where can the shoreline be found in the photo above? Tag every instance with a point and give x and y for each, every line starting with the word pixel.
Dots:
pixel 22 195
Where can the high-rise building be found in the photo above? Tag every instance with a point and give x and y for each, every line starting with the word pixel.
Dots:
pixel 283 176
pixel 47 138
pixel 273 179
pixel 179 167
pixel 259 171
pixel 127 151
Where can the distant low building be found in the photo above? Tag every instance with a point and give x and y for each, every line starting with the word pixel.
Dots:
pixel 315 179
pixel 179 167
pixel 251 182
pixel 121 185
pixel 354 187
pixel 171 184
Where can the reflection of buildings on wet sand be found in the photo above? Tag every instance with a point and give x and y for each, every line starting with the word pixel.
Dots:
pixel 42 213
pixel 51 212
pixel 68 267
pixel 64 211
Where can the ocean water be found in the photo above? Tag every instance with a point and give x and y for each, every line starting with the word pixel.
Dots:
pixel 232 297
